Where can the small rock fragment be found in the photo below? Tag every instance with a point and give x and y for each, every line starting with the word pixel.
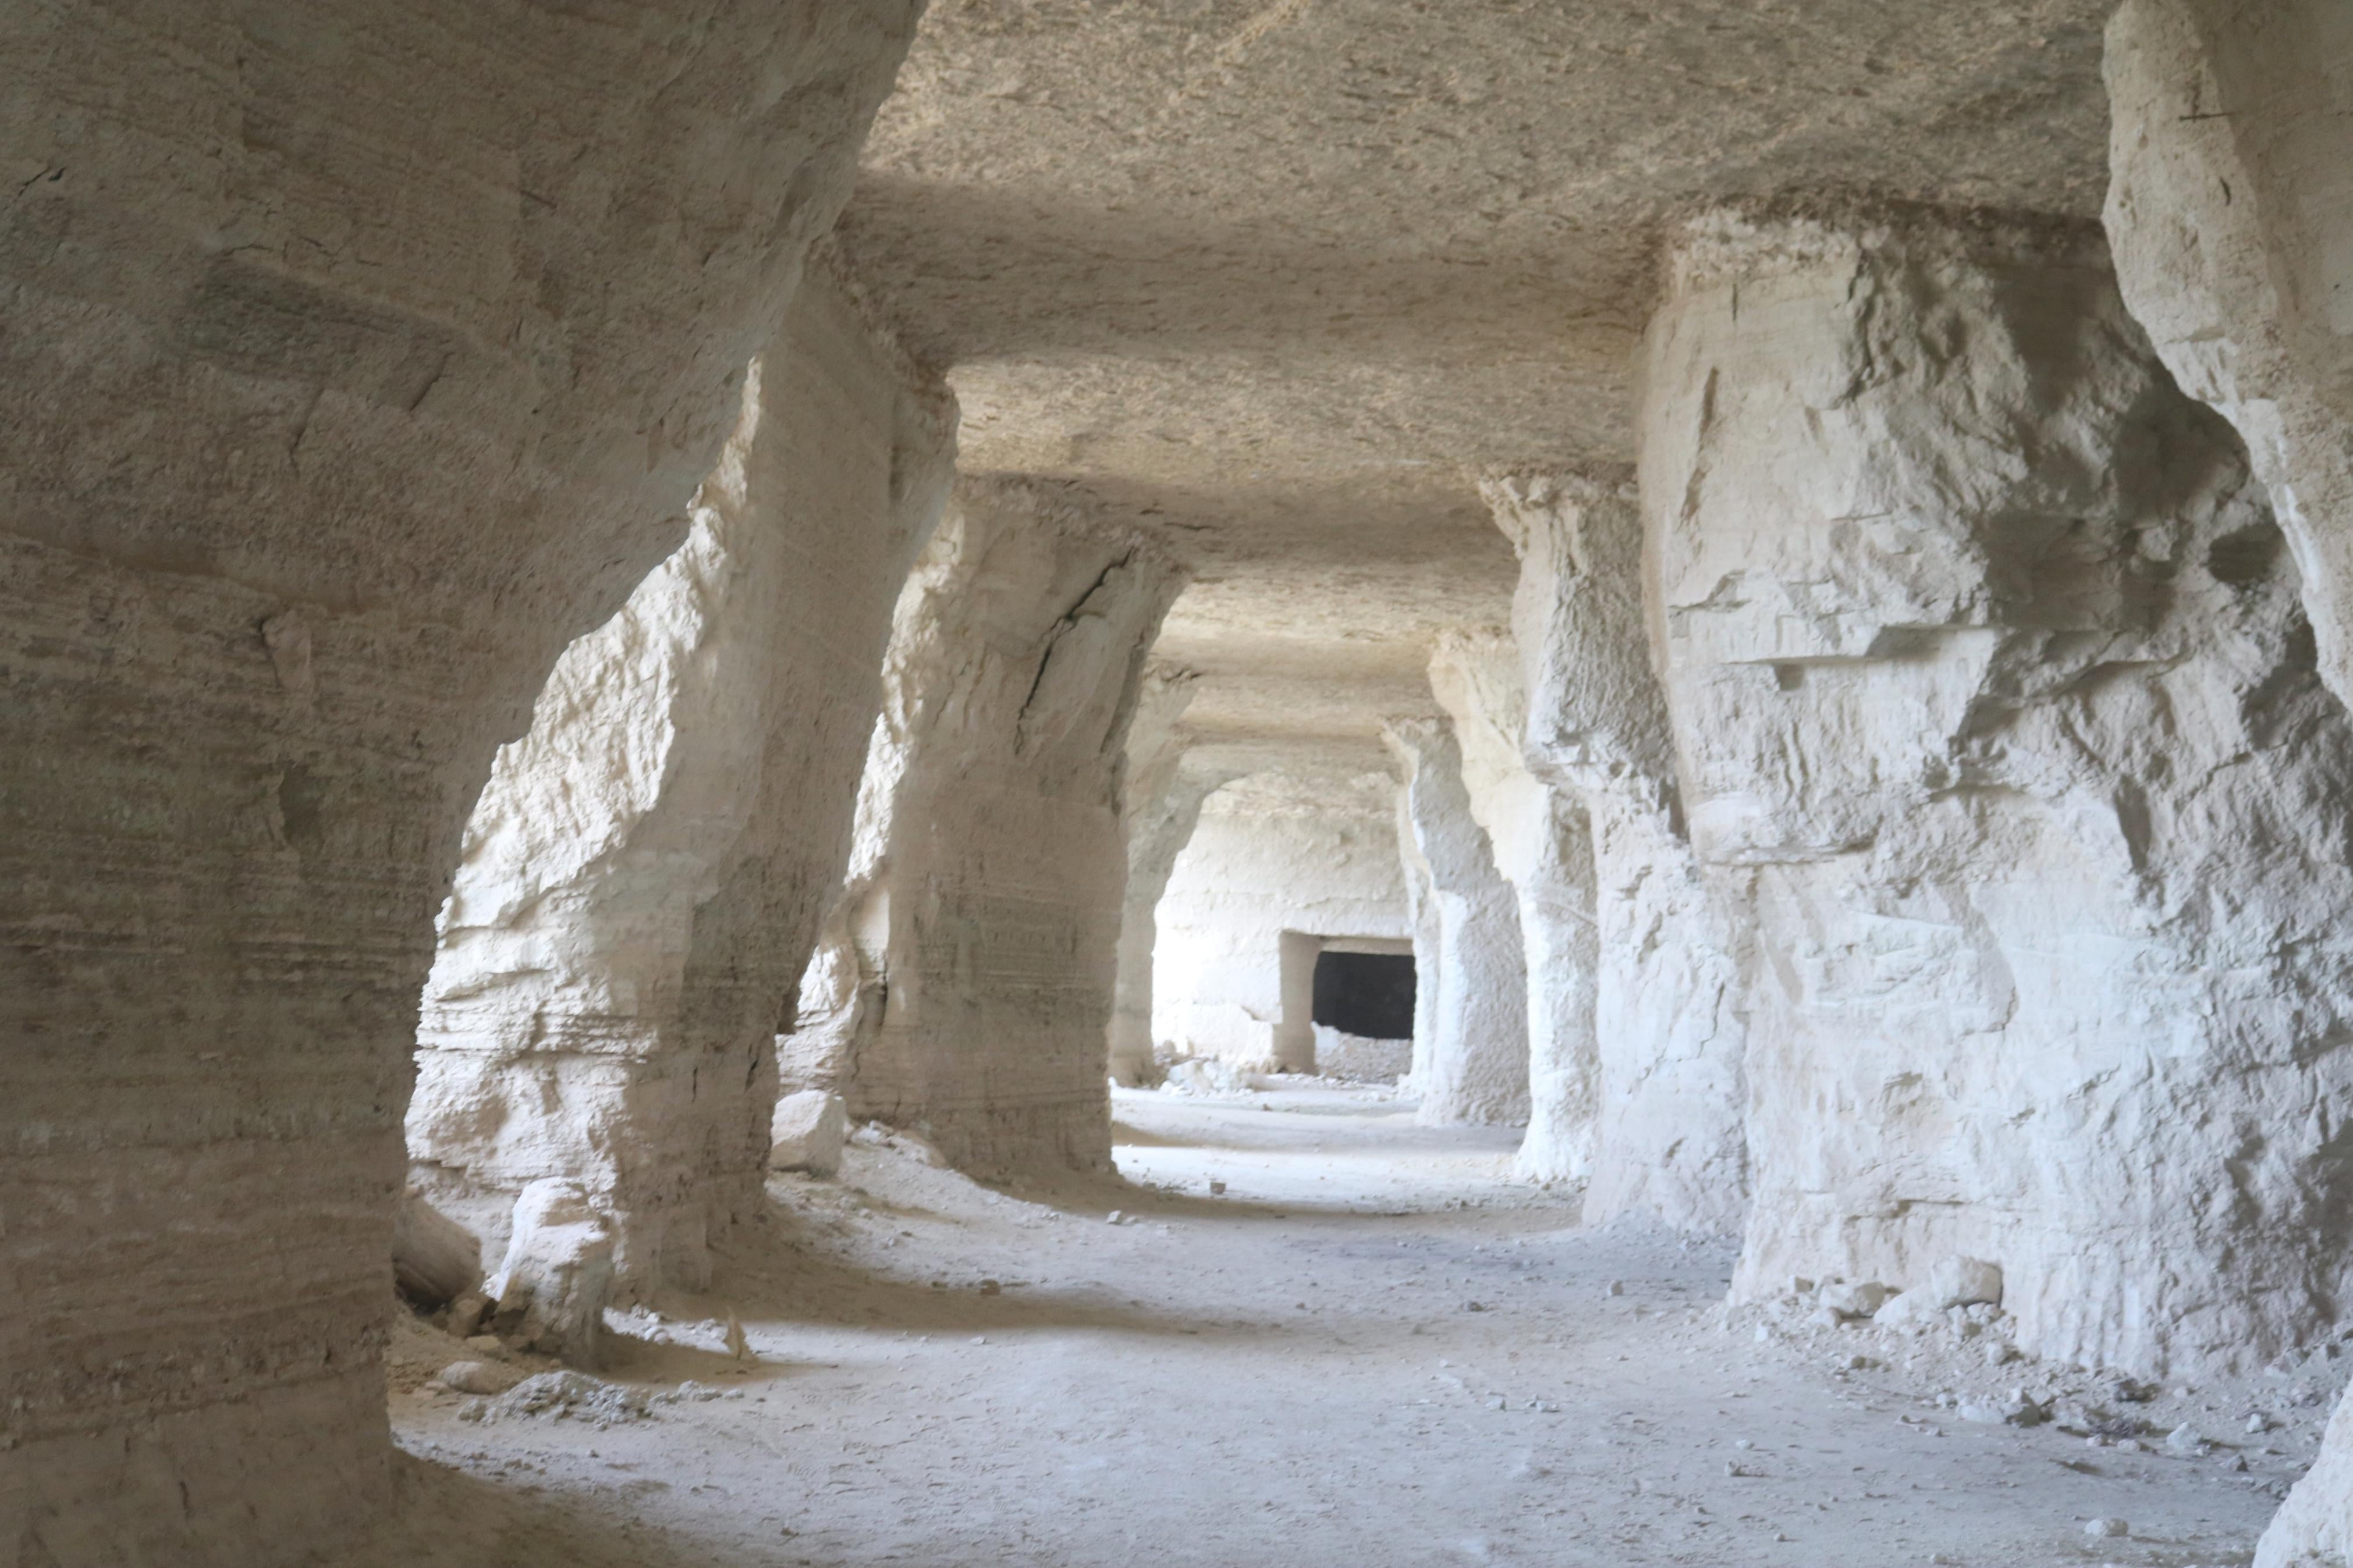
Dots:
pixel 991 1288
pixel 1112 1219
pixel 470 1377
pixel 2108 1529
pixel 807 1131
pixel 1857 1300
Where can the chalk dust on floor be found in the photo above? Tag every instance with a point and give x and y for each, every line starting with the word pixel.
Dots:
pixel 1371 1348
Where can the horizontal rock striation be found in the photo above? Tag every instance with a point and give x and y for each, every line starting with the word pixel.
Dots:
pixel 355 358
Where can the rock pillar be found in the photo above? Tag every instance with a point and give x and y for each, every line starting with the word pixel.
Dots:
pixel 1985 662
pixel 643 876
pixel 1161 802
pixel 1663 1078
pixel 989 891
pixel 1544 847
pixel 352 358
pixel 1474 1067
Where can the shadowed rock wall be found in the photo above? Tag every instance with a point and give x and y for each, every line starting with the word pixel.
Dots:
pixel 643 875
pixel 355 358
pixel 985 898
pixel 1985 663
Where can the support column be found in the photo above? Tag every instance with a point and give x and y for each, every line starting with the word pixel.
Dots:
pixel 352 356
pixel 1475 1068
pixel 644 873
pixel 1162 801
pixel 999 869
pixel 1669 1012
pixel 1985 661
pixel 1544 847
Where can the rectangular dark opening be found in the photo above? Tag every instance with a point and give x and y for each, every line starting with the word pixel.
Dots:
pixel 1367 994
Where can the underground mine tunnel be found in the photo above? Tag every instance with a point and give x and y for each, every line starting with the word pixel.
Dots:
pixel 1064 783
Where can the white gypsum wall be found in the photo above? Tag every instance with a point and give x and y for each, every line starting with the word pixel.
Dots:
pixel 643 875
pixel 1667 1091
pixel 1987 669
pixel 1311 851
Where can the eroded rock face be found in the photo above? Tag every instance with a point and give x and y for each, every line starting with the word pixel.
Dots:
pixel 1985 665
pixel 982 909
pixel 1473 1066
pixel 645 871
pixel 1544 847
pixel 1276 861
pixel 354 357
pixel 1664 1077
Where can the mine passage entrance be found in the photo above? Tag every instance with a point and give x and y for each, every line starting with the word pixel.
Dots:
pixel 1368 994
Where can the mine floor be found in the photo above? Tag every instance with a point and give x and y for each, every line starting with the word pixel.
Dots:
pixel 1372 1348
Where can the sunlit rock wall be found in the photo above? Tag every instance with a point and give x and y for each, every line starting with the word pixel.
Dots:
pixel 983 900
pixel 1472 1067
pixel 1663 1085
pixel 643 876
pixel 1543 845
pixel 1312 852
pixel 354 360
pixel 1985 661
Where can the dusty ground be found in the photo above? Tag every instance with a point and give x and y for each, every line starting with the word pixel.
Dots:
pixel 1293 1372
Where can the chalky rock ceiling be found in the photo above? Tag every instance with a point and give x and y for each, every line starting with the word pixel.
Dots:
pixel 1289 278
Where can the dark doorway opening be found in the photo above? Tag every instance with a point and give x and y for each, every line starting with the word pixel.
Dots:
pixel 1367 994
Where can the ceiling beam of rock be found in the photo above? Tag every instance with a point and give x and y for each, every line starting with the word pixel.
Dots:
pixel 1291 278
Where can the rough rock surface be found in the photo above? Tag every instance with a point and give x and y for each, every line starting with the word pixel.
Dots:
pixel 1667 1090
pixel 1985 662
pixel 1473 1065
pixel 982 909
pixel 1542 844
pixel 644 874
pixel 355 360
pixel 1276 862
